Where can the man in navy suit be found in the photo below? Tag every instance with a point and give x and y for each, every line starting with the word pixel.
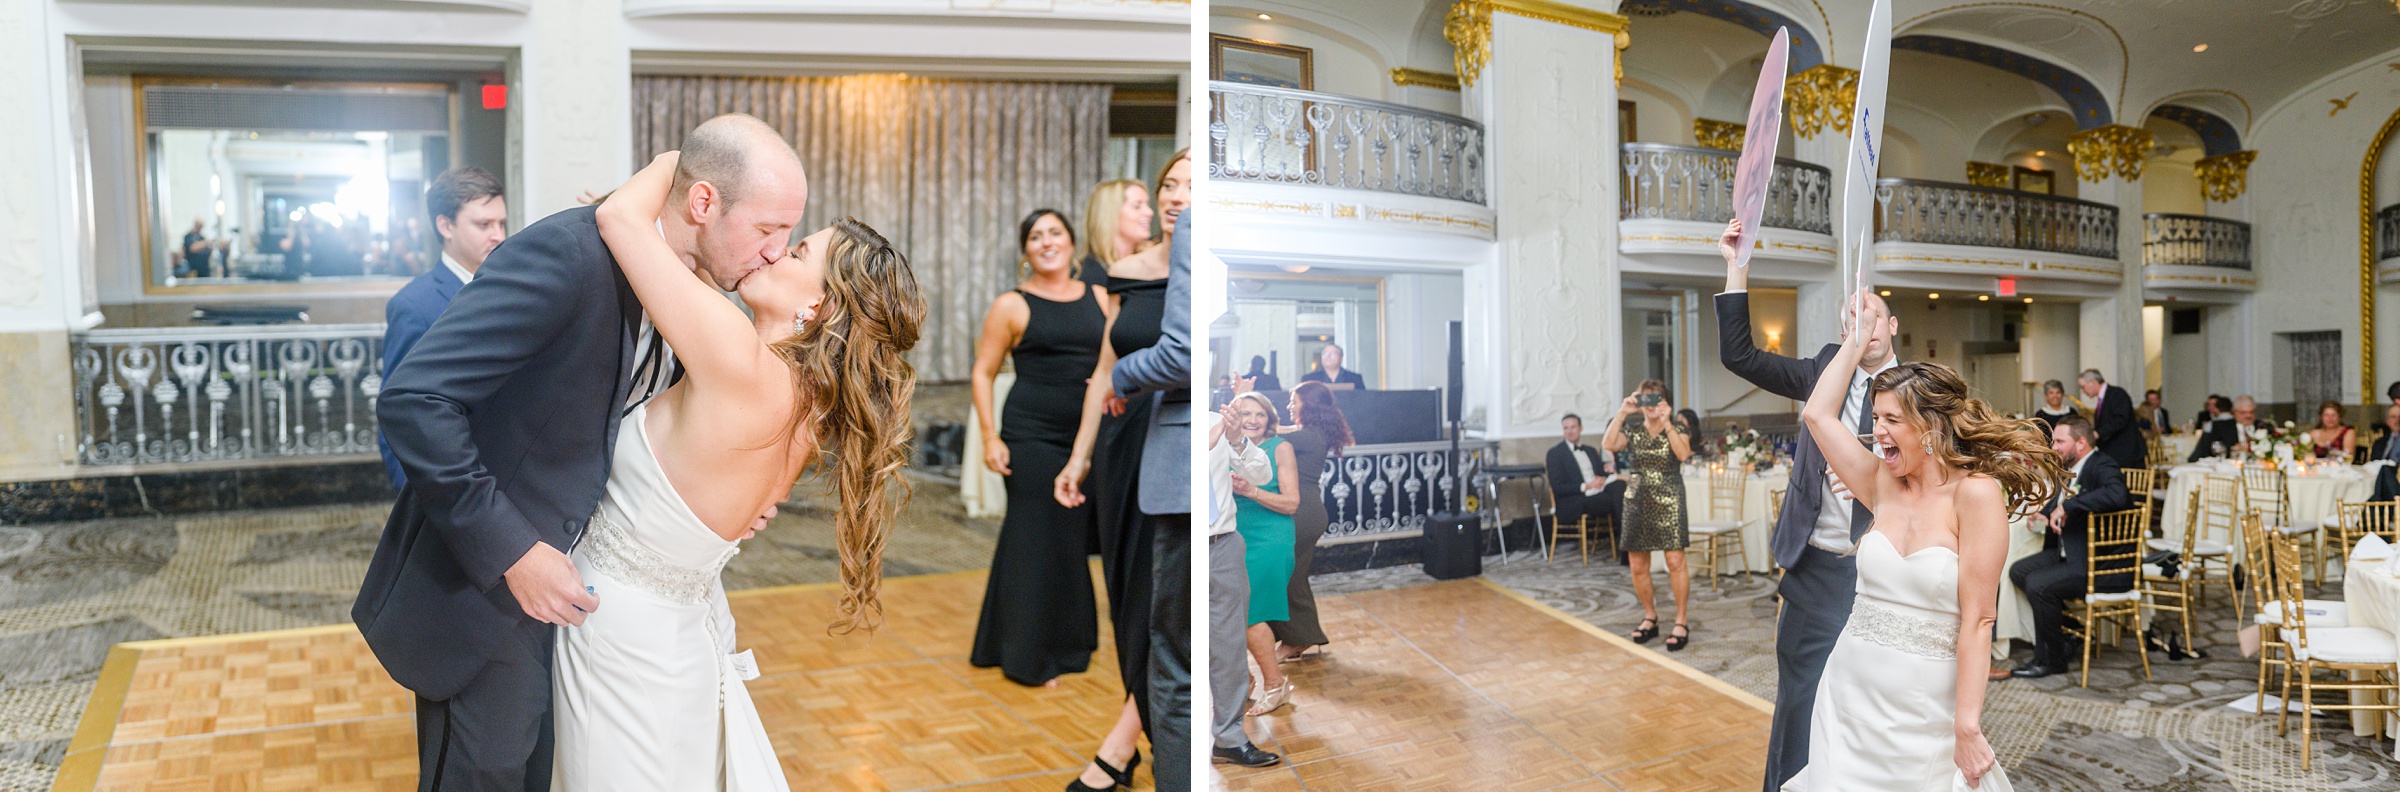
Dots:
pixel 470 211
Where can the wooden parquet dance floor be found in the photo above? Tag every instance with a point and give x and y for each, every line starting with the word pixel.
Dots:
pixel 311 709
pixel 1468 685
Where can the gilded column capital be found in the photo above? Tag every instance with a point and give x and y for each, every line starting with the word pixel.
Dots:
pixel 1406 77
pixel 2111 149
pixel 2225 176
pixel 1717 134
pixel 1985 174
pixel 1821 96
pixel 1469 29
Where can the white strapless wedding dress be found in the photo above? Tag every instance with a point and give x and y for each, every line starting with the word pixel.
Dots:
pixel 648 694
pixel 1887 706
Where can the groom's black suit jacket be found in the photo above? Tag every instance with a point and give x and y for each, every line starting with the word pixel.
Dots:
pixel 503 416
pixel 1791 378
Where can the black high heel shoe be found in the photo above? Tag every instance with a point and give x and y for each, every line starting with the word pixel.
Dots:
pixel 1118 778
pixel 1645 632
pixel 1676 643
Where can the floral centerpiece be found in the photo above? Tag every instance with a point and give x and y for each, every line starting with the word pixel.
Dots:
pixel 1745 448
pixel 2279 445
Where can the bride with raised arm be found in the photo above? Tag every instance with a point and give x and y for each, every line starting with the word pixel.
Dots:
pixel 1901 705
pixel 647 693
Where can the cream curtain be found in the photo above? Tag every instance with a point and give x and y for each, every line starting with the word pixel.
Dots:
pixel 944 168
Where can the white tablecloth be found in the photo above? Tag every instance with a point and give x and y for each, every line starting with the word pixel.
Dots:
pixel 984 492
pixel 2314 496
pixel 2374 599
pixel 2015 615
pixel 1757 556
pixel 2178 447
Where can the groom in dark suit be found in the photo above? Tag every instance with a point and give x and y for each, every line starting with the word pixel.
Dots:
pixel 1820 526
pixel 504 417
pixel 2057 574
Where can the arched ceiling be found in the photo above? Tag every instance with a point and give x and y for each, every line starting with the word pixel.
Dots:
pixel 2083 98
pixel 2213 132
pixel 1805 52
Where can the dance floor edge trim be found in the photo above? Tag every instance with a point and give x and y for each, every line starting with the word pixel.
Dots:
pixel 79 770
pixel 1637 650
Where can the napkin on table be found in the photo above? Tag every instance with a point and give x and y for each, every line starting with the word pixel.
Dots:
pixel 2370 548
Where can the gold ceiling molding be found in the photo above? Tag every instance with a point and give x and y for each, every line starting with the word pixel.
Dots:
pixel 1985 174
pixel 2224 176
pixel 1718 134
pixel 1469 29
pixel 1406 77
pixel 2112 149
pixel 1821 96
pixel 2366 258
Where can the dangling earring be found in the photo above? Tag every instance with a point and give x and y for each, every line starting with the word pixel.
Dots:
pixel 800 322
pixel 1929 445
pixel 1024 269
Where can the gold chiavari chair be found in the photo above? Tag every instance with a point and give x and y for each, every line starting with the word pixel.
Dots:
pixel 2273 649
pixel 2114 551
pixel 2366 656
pixel 2156 447
pixel 1720 536
pixel 2268 491
pixel 2137 483
pixel 2356 520
pixel 2207 543
pixel 1583 529
pixel 2158 588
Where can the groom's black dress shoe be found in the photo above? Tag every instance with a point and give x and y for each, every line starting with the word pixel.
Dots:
pixel 1246 755
pixel 2036 671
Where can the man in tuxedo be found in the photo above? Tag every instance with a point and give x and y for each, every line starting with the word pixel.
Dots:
pixel 1820 527
pixel 470 212
pixel 2113 419
pixel 1579 480
pixel 504 417
pixel 2213 432
pixel 2057 573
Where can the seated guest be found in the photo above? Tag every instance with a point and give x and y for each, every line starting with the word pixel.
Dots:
pixel 2151 414
pixel 1259 379
pixel 1329 369
pixel 2054 405
pixel 471 215
pixel 2208 441
pixel 2237 428
pixel 2056 574
pixel 1580 481
pixel 2330 438
pixel 2112 420
pixel 2387 447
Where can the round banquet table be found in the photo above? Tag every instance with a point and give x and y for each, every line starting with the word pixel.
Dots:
pixel 2178 447
pixel 1757 556
pixel 2373 596
pixel 2315 495
pixel 2014 616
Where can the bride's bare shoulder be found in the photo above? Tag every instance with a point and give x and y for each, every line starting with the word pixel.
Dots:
pixel 1978 489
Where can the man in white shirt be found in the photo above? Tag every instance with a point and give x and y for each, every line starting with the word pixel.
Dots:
pixel 1820 526
pixel 1229 592
pixel 470 212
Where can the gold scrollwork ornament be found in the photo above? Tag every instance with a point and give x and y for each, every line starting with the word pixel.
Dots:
pixel 1468 28
pixel 1821 96
pixel 2112 149
pixel 2224 177
pixel 1718 134
pixel 1985 174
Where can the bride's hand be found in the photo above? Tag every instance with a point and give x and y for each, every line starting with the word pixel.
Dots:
pixel 1974 756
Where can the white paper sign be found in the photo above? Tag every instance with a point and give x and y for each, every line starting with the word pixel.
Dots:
pixel 1866 145
pixel 1756 169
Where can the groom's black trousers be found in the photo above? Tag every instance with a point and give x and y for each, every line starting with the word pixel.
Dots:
pixel 1817 591
pixel 495 734
pixel 1171 651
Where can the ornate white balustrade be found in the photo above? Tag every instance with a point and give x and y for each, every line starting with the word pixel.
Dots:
pixel 1283 136
pixel 1381 489
pixel 1910 210
pixel 1664 182
pixel 2194 241
pixel 161 397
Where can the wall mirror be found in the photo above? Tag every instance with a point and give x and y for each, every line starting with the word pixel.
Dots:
pixel 1242 60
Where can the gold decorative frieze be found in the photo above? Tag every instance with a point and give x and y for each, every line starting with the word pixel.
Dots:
pixel 1469 29
pixel 2225 176
pixel 1718 134
pixel 1985 174
pixel 1406 77
pixel 1821 96
pixel 2113 149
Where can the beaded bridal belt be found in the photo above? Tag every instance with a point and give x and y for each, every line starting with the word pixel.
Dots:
pixel 611 549
pixel 1918 635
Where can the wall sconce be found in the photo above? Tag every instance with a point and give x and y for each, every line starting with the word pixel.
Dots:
pixel 1775 341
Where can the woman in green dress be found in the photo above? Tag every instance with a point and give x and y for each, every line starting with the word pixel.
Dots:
pixel 1263 516
pixel 1655 516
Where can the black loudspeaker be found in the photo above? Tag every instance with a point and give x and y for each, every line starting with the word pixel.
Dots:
pixel 1452 546
pixel 1458 370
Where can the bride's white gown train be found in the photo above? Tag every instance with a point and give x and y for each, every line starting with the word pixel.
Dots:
pixel 648 693
pixel 1887 706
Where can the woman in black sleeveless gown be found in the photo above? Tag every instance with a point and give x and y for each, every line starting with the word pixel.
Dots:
pixel 1039 619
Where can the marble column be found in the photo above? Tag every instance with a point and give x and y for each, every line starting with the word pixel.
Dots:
pixel 42 299
pixel 1825 95
pixel 1547 308
pixel 2111 326
pixel 573 128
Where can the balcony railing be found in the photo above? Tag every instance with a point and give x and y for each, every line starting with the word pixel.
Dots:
pixel 1665 182
pixel 1909 210
pixel 1378 489
pixel 2195 241
pixel 1282 136
pixel 2387 233
pixel 198 395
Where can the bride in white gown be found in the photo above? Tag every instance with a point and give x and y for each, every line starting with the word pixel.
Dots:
pixel 648 693
pixel 1900 706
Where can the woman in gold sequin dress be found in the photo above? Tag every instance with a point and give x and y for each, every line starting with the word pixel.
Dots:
pixel 1655 515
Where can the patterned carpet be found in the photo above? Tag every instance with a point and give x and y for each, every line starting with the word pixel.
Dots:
pixel 68 591
pixel 2171 733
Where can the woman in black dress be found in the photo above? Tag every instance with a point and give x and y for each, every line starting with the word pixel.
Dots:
pixel 1108 447
pixel 1318 435
pixel 1039 620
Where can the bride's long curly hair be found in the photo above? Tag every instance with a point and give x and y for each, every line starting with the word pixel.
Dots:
pixel 1967 435
pixel 854 386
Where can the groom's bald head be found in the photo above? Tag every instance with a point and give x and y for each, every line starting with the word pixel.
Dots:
pixel 741 188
